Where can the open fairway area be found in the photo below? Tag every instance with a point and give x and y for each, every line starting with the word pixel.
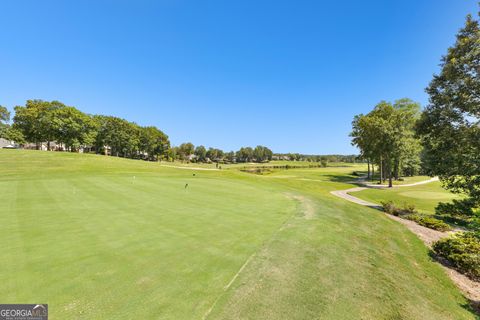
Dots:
pixel 100 237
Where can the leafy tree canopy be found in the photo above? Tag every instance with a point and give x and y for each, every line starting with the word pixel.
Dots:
pixel 450 125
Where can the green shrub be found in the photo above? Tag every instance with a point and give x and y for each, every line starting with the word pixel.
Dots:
pixel 475 224
pixel 429 222
pixel 409 208
pixel 390 208
pixel 462 207
pixel 409 212
pixel 462 250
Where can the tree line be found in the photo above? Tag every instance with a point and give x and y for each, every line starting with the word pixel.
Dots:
pixel 318 158
pixel 65 128
pixel 188 152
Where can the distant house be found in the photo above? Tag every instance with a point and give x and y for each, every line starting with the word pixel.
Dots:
pixel 34 146
pixel 7 144
pixel 54 146
pixel 280 157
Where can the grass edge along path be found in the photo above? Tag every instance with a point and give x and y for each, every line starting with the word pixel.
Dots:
pixel 470 288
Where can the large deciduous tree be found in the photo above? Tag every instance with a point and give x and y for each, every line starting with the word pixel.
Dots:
pixel 73 128
pixel 153 142
pixel 245 154
pixel 201 153
pixel 214 154
pixel 408 148
pixel 4 119
pixel 450 125
pixel 185 150
pixel 261 154
pixel 121 136
pixel 6 130
pixel 34 120
pixel 4 115
pixel 385 136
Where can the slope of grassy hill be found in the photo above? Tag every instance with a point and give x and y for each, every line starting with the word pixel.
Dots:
pixel 101 237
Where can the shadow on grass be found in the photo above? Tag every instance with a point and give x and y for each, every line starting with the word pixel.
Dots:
pixel 474 307
pixel 342 178
pixel 378 207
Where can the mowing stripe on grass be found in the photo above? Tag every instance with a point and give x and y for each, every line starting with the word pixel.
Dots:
pixel 301 200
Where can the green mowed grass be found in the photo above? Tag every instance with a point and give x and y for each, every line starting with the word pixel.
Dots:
pixel 404 180
pixel 101 237
pixel 112 238
pixel 425 197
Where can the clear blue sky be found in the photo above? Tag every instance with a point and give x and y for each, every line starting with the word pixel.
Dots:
pixel 286 74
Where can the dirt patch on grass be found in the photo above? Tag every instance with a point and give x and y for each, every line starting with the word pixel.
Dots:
pixel 307 206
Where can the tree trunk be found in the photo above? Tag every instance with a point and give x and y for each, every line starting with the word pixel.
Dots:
pixel 396 169
pixel 48 146
pixel 390 184
pixel 373 171
pixel 368 174
pixel 381 170
pixel 385 168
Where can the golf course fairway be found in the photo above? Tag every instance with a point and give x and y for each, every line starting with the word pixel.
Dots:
pixel 100 237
